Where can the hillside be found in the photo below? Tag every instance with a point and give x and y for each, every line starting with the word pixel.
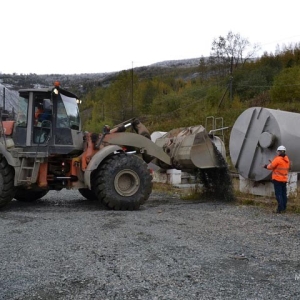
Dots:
pixel 178 93
pixel 82 83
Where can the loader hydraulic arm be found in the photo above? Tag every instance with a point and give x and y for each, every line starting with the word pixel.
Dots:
pixel 136 124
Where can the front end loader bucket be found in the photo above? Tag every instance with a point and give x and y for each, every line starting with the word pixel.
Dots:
pixel 190 148
pixel 194 150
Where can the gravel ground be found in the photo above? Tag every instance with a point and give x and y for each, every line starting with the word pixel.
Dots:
pixel 65 247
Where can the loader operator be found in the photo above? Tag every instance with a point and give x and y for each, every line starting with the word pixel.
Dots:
pixel 280 167
pixel 38 112
pixel 42 114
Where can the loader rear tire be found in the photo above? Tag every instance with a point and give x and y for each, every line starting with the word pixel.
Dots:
pixel 88 194
pixel 123 182
pixel 29 196
pixel 7 174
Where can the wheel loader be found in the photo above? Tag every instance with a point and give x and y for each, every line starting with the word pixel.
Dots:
pixel 43 148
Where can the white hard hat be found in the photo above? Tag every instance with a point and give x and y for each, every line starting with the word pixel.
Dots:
pixel 281 148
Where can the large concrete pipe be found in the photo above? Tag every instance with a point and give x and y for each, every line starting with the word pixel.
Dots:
pixel 255 136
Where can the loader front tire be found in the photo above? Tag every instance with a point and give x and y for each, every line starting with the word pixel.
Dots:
pixel 88 194
pixel 123 182
pixel 7 174
pixel 29 196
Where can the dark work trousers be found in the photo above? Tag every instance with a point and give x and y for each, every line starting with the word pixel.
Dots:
pixel 280 194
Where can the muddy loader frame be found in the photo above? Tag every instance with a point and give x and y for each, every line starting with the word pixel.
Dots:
pixel 43 148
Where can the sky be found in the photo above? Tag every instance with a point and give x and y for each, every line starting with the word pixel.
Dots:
pixel 99 36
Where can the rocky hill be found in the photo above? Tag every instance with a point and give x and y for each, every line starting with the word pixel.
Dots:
pixel 80 83
pixel 184 63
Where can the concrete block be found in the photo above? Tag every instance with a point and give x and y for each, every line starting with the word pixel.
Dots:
pixel 266 188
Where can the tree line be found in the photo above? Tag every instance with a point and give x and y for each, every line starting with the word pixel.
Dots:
pixel 230 80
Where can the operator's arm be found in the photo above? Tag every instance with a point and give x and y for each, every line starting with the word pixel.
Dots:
pixel 273 164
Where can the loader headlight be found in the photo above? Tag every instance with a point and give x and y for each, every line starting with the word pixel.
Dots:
pixel 56 87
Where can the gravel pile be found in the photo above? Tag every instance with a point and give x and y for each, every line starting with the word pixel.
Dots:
pixel 66 247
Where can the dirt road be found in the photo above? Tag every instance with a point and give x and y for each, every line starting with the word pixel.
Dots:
pixel 65 247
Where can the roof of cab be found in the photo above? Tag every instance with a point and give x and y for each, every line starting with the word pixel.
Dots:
pixel 48 90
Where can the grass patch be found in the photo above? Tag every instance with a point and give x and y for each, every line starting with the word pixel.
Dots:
pixel 192 193
pixel 166 188
pixel 267 202
pixel 195 192
pixel 293 204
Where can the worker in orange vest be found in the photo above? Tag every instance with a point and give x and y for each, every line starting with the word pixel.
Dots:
pixel 280 167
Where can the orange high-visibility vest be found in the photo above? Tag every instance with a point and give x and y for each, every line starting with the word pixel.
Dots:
pixel 280 168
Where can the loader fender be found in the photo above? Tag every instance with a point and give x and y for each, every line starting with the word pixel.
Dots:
pixel 10 160
pixel 96 161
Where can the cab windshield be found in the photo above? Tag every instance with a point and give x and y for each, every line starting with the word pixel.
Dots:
pixel 68 113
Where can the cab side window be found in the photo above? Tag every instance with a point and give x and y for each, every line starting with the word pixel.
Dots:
pixel 22 113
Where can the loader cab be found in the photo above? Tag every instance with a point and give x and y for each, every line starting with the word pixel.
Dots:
pixel 48 120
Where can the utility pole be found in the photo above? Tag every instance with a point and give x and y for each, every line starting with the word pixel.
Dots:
pixel 231 78
pixel 3 98
pixel 132 90
pixel 103 115
pixel 3 95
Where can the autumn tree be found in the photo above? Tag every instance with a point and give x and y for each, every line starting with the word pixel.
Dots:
pixel 146 93
pixel 286 87
pixel 121 97
pixel 231 51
